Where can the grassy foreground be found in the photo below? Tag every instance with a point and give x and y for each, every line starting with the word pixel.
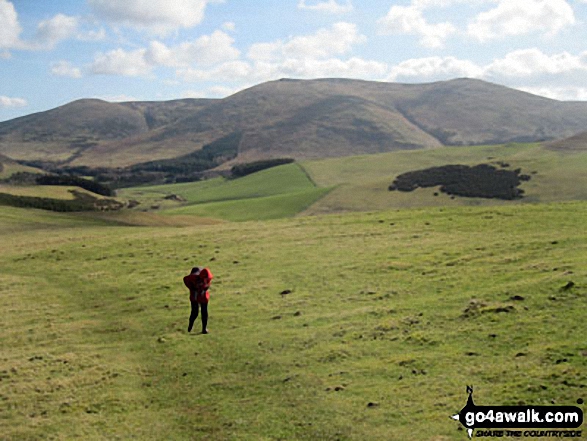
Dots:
pixel 400 309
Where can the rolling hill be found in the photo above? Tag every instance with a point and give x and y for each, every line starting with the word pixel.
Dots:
pixel 576 143
pixel 9 166
pixel 302 119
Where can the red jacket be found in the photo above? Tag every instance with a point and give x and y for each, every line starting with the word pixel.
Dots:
pixel 198 285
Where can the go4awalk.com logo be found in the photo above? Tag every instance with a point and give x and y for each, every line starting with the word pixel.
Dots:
pixel 520 421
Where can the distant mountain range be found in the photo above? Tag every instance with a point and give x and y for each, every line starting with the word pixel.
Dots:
pixel 294 118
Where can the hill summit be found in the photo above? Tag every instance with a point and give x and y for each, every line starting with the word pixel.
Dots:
pixel 292 118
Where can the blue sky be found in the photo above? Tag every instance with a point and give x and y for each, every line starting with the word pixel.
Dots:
pixel 53 52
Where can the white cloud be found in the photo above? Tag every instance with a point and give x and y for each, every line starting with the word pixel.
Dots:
pixel 116 98
pixel 65 69
pixel 52 31
pixel 559 76
pixel 229 71
pixel 206 50
pixel 9 26
pixel 6 101
pixel 520 17
pixel 328 6
pixel 334 67
pixel 559 93
pixel 211 92
pixel 336 40
pixel 158 16
pixel 49 32
pixel 424 4
pixel 305 56
pixel 92 35
pixel 434 68
pixel 121 62
pixel 532 62
pixel 410 20
pixel 260 71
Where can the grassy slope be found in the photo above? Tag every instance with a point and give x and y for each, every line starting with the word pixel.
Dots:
pixel 46 191
pixel 94 342
pixel 10 167
pixel 363 180
pixel 277 192
pixel 360 183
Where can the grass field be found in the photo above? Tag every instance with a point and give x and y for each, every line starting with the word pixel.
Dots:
pixel 46 191
pixel 8 168
pixel 400 309
pixel 277 192
pixel 360 183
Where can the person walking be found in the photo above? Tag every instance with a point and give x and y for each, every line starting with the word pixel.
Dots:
pixel 198 282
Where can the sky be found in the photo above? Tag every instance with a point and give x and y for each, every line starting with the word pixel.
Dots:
pixel 54 52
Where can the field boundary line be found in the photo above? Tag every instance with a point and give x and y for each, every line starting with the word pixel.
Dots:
pixel 303 169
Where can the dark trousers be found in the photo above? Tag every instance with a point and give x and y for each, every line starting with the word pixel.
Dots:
pixel 194 315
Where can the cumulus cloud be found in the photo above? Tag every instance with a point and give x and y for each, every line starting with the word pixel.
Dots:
pixel 259 71
pixel 158 16
pixel 211 92
pixel 410 20
pixel 520 17
pixel 305 56
pixel 65 69
pixel 559 93
pixel 531 62
pixel 206 50
pixel 51 32
pixel 9 26
pixel 558 76
pixel 121 62
pixel 329 6
pixel 226 72
pixel 434 68
pixel 6 101
pixel 92 35
pixel 116 98
pixel 336 40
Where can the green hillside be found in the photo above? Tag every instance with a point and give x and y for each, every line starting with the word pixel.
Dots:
pixel 362 181
pixel 301 119
pixel 276 192
pixel 389 316
pixel 8 167
pixel 258 208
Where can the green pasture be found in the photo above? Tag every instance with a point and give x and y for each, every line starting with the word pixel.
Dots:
pixel 258 208
pixel 45 191
pixel 277 192
pixel 9 168
pixel 360 183
pixel 389 316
